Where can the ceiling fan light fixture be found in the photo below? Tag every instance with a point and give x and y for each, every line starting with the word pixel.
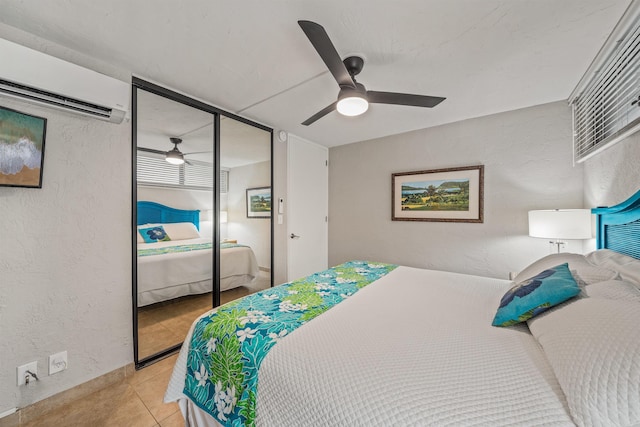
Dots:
pixel 353 104
pixel 174 157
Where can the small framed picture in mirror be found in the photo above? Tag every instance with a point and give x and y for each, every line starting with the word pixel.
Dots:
pixel 259 202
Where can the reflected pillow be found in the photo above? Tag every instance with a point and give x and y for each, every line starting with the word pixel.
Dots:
pixel 535 295
pixel 154 234
pixel 181 230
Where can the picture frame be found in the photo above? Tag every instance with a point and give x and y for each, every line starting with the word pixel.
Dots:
pixel 22 138
pixel 441 195
pixel 259 202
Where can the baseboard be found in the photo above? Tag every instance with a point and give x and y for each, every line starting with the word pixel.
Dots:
pixel 40 408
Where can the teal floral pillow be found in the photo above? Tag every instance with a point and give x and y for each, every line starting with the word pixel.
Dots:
pixel 154 234
pixel 536 295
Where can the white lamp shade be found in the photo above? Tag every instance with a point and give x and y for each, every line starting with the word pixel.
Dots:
pixel 560 224
pixel 223 217
pixel 206 215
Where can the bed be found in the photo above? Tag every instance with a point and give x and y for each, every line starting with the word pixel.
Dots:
pixel 181 264
pixel 394 345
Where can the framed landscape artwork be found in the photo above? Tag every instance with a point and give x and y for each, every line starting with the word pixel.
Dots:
pixel 445 195
pixel 21 149
pixel 259 202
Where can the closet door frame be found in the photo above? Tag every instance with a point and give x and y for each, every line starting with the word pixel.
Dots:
pixel 140 84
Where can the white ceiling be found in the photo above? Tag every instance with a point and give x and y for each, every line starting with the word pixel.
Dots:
pixel 159 119
pixel 250 57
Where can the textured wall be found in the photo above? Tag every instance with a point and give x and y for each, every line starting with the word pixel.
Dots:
pixel 280 238
pixel 528 165
pixel 612 176
pixel 65 267
pixel 65 249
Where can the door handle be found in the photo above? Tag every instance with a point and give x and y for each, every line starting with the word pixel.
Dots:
pixel 294 236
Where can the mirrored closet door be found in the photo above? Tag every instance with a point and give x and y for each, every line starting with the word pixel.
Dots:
pixel 201 214
pixel 245 209
pixel 175 204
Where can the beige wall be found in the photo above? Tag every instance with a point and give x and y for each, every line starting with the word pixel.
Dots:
pixel 255 232
pixel 528 165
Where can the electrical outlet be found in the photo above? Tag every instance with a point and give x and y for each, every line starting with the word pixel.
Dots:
pixel 22 372
pixel 57 362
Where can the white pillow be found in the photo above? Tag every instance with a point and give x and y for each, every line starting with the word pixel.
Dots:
pixel 578 264
pixel 175 230
pixel 593 346
pixel 628 267
pixel 613 289
pixel 181 230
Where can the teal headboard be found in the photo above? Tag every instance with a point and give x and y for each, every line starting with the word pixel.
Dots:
pixel 618 227
pixel 152 213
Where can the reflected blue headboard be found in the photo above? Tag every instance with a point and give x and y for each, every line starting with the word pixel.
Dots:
pixel 154 213
pixel 618 227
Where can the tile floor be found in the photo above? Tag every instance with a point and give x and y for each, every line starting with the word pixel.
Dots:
pixel 164 325
pixel 137 400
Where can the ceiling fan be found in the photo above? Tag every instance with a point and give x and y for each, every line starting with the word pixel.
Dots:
pixel 173 156
pixel 353 98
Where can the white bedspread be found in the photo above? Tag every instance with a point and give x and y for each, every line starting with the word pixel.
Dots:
pixel 168 276
pixel 413 348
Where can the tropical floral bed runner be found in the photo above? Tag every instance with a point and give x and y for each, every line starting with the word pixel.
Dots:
pixel 185 248
pixel 228 345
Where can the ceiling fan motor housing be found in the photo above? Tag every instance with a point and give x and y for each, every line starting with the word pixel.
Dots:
pixel 353 64
pixel 347 92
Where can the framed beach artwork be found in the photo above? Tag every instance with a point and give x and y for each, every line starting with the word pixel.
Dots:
pixel 445 195
pixel 21 149
pixel 259 202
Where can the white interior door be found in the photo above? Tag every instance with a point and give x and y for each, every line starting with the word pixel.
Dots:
pixel 308 207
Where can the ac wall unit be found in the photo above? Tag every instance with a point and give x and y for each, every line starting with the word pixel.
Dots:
pixel 40 78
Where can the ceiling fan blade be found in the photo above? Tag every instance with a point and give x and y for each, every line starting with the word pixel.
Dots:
pixel 403 99
pixel 151 150
pixel 322 43
pixel 198 152
pixel 320 114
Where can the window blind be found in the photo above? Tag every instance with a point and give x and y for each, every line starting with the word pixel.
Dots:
pixel 153 170
pixel 608 108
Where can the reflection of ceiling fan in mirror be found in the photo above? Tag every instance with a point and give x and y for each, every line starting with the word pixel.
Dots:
pixel 173 156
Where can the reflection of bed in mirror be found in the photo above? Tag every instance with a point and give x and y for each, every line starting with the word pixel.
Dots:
pixel 182 266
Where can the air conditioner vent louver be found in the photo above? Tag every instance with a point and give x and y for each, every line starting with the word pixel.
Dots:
pixel 45 97
pixel 36 77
